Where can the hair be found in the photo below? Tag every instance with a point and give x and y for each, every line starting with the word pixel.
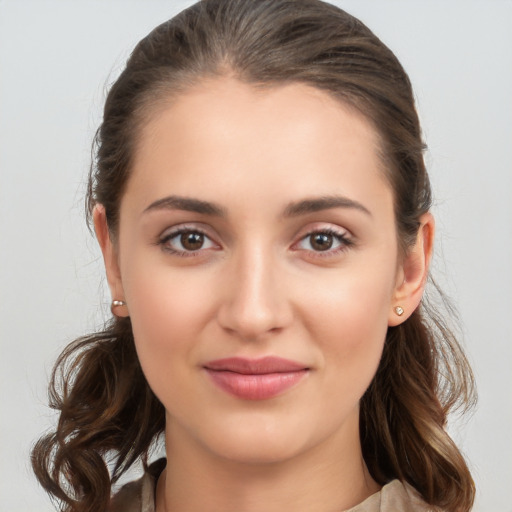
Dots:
pixel 106 406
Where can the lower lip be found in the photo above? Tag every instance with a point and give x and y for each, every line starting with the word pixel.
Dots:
pixel 256 386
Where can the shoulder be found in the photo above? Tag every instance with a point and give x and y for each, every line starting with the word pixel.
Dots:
pixel 139 495
pixel 398 496
pixel 395 496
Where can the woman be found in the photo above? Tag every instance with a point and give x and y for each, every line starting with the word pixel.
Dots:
pixel 262 206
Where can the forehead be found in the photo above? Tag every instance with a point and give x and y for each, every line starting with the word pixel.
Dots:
pixel 214 106
pixel 227 138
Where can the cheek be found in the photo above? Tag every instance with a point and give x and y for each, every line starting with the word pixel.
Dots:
pixel 349 326
pixel 168 310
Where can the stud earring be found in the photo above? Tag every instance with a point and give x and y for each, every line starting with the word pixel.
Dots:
pixel 399 310
pixel 116 304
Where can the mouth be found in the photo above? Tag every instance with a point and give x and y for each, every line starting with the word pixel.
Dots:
pixel 255 379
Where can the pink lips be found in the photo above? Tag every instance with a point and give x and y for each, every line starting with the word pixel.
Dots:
pixel 255 379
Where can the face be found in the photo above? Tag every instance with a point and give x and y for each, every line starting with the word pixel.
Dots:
pixel 257 255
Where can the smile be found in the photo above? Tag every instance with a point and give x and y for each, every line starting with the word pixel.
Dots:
pixel 256 379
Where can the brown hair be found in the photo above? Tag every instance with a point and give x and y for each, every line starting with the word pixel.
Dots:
pixel 106 406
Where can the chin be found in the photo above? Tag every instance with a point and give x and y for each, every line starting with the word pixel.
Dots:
pixel 257 438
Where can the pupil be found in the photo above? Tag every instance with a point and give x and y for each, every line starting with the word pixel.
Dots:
pixel 321 241
pixel 192 241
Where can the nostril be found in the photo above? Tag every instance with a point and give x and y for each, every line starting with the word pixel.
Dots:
pixel 251 325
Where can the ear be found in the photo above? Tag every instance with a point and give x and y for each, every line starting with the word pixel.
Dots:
pixel 413 272
pixel 110 259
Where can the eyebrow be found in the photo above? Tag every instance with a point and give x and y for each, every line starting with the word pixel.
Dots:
pixel 303 207
pixel 317 204
pixel 188 204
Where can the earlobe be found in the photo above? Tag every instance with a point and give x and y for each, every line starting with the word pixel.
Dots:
pixel 110 259
pixel 413 273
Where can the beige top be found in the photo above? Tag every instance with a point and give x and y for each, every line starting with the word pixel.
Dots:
pixel 139 496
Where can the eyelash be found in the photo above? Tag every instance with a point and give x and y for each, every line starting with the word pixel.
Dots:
pixel 341 238
pixel 187 254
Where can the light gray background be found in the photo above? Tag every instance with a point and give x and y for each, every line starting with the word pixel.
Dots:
pixel 56 58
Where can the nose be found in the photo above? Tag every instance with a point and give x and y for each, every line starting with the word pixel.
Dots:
pixel 255 302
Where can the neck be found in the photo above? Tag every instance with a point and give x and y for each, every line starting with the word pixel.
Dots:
pixel 330 476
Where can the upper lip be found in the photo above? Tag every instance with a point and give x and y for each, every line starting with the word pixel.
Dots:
pixel 261 366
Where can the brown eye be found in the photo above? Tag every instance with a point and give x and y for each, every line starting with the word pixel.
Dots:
pixel 187 242
pixel 325 242
pixel 192 240
pixel 321 241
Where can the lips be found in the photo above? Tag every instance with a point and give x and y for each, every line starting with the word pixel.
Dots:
pixel 255 379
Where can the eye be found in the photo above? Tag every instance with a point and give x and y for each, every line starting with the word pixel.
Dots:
pixel 324 241
pixel 186 242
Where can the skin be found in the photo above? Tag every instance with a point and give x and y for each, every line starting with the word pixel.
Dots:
pixel 258 286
